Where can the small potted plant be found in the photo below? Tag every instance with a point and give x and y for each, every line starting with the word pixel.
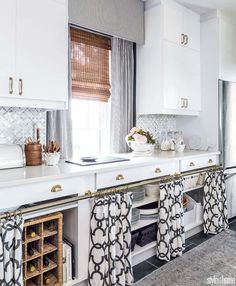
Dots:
pixel 51 153
pixel 140 140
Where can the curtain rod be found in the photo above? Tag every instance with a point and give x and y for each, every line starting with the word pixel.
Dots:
pixel 104 192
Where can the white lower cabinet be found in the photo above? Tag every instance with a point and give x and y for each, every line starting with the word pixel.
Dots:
pixel 200 162
pixel 49 190
pixel 124 176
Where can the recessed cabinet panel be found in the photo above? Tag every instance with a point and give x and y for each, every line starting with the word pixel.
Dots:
pixel 190 73
pixel 191 28
pixel 42 50
pixel 172 75
pixel 7 48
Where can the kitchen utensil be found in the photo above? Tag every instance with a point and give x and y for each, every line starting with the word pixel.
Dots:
pixel 88 159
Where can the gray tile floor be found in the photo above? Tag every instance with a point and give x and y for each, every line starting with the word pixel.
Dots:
pixel 146 267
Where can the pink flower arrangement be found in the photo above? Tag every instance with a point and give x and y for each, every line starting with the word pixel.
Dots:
pixel 140 136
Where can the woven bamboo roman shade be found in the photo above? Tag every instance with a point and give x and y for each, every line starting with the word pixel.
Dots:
pixel 90 65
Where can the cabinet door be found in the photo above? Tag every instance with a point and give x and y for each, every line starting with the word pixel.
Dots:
pixel 173 23
pixel 7 46
pixel 172 75
pixel 191 28
pixel 191 78
pixel 181 25
pixel 181 78
pixel 42 51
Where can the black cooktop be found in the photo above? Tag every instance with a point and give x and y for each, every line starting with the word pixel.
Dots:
pixel 98 161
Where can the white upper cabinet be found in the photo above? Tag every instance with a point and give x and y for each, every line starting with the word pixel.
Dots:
pixel 181 25
pixel 168 64
pixel 7 47
pixel 40 54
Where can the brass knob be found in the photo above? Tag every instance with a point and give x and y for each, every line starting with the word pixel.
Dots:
pixel 119 177
pixel 157 170
pixel 88 193
pixel 56 189
pixel 191 164
pixel 210 161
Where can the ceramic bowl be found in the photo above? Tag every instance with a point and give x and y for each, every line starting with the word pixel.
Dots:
pixel 52 159
pixel 152 190
pixel 180 148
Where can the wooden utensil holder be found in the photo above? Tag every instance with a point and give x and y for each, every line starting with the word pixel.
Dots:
pixel 45 243
pixel 33 154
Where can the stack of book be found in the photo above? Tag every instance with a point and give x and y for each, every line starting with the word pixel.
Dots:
pixel 68 262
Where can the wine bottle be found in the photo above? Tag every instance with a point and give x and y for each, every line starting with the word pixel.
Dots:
pixel 46 279
pixel 30 251
pixel 32 233
pixel 46 261
pixel 31 268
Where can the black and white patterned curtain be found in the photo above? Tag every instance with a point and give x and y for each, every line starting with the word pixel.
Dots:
pixel 110 241
pixel 170 228
pixel 11 231
pixel 215 216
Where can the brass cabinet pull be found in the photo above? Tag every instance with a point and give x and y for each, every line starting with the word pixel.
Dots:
pixel 185 40
pixel 119 177
pixel 186 105
pixel 157 170
pixel 210 161
pixel 182 38
pixel 20 86
pixel 191 164
pixel 56 189
pixel 10 85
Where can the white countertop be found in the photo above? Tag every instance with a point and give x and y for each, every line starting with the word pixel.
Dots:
pixel 19 176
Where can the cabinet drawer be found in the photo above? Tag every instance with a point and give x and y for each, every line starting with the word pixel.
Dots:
pixel 53 189
pixel 120 177
pixel 196 163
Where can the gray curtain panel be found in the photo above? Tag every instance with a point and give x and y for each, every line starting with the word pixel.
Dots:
pixel 110 241
pixel 215 216
pixel 122 77
pixel 59 128
pixel 170 226
pixel 11 272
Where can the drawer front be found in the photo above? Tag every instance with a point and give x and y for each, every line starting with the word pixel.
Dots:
pixel 53 189
pixel 196 163
pixel 120 177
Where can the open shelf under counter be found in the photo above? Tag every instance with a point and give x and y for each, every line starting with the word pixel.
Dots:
pixel 192 226
pixel 140 249
pixel 146 201
pixel 193 188
pixel 143 222
pixel 72 282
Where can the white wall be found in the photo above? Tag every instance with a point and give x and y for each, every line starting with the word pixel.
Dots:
pixel 206 125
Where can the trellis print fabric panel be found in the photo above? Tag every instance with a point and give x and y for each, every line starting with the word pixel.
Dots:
pixel 215 216
pixel 110 241
pixel 11 252
pixel 170 228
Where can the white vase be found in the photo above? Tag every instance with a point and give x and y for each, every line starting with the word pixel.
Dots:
pixel 52 159
pixel 139 147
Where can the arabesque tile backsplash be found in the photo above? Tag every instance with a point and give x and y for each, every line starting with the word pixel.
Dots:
pixel 156 123
pixel 16 124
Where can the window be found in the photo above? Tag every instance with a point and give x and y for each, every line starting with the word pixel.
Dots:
pixel 90 71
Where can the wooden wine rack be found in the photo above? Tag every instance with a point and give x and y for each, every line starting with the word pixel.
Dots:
pixel 45 243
